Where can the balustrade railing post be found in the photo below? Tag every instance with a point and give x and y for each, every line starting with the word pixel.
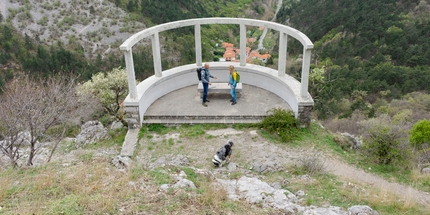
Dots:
pixel 128 55
pixel 156 54
pixel 305 72
pixel 198 42
pixel 242 45
pixel 282 60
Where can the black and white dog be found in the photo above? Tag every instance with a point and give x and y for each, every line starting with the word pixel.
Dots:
pixel 223 154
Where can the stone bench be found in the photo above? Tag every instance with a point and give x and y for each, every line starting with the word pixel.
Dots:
pixel 219 88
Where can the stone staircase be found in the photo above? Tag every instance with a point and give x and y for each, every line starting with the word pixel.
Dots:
pixel 202 119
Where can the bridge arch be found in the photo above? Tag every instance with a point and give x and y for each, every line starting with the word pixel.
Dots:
pixel 295 93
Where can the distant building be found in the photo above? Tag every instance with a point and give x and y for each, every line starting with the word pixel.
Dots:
pixel 231 53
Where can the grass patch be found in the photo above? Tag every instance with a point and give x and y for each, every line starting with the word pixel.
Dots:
pixel 192 131
pixel 160 129
pixel 171 141
pixel 86 157
pixel 69 204
pixel 142 133
pixel 240 126
pixel 136 172
pixel 160 176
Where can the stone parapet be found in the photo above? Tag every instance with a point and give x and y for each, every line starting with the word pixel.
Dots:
pixel 304 115
pixel 132 116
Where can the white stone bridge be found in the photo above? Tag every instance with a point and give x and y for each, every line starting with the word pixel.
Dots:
pixel 162 82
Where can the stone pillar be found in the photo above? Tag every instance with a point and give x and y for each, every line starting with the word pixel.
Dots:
pixel 132 116
pixel 128 55
pixel 305 72
pixel 282 60
pixel 242 45
pixel 304 115
pixel 156 54
pixel 198 42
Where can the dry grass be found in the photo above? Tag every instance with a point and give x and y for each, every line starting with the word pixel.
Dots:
pixel 213 195
pixel 384 199
pixel 97 187
pixel 52 189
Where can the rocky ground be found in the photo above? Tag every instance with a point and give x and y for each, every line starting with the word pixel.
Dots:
pixel 98 26
pixel 248 174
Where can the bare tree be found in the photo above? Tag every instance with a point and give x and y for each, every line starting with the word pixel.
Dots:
pixel 39 107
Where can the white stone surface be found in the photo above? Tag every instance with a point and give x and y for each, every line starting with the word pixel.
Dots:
pixel 293 92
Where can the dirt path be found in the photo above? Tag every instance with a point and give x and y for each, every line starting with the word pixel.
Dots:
pixel 407 193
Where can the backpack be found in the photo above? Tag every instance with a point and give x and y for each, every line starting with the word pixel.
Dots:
pixel 236 76
pixel 199 73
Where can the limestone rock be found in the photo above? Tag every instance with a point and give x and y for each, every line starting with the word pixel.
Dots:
pixel 23 138
pixel 184 183
pixel 254 190
pixel 231 166
pixel 116 125
pixel 91 131
pixel 164 187
pixel 270 165
pixel 172 160
pixel 300 193
pixel 347 141
pixel 121 162
pixel 425 170
pixel 361 210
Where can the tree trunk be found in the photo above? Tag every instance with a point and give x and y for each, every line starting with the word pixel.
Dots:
pixel 56 144
pixel 31 155
pixel 122 120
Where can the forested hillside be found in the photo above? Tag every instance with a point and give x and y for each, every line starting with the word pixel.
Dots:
pixel 363 49
pixel 82 36
pixel 372 47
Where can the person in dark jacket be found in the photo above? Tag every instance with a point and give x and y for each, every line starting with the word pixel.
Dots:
pixel 206 76
pixel 223 154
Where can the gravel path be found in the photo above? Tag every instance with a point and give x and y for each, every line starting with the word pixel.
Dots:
pixel 348 172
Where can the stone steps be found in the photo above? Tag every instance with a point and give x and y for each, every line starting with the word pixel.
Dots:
pixel 230 119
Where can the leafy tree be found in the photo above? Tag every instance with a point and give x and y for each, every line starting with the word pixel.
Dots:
pixel 420 133
pixel 110 90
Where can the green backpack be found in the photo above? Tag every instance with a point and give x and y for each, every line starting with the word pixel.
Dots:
pixel 236 76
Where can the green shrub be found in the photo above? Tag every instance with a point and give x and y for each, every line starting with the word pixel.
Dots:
pixel 280 122
pixel 385 141
pixel 420 133
pixel 311 164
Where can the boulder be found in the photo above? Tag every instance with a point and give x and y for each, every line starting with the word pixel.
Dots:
pixel 425 170
pixel 256 191
pixel 347 141
pixel 91 131
pixel 116 125
pixel 361 210
pixel 23 138
pixel 183 182
pixel 121 162
pixel 170 160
